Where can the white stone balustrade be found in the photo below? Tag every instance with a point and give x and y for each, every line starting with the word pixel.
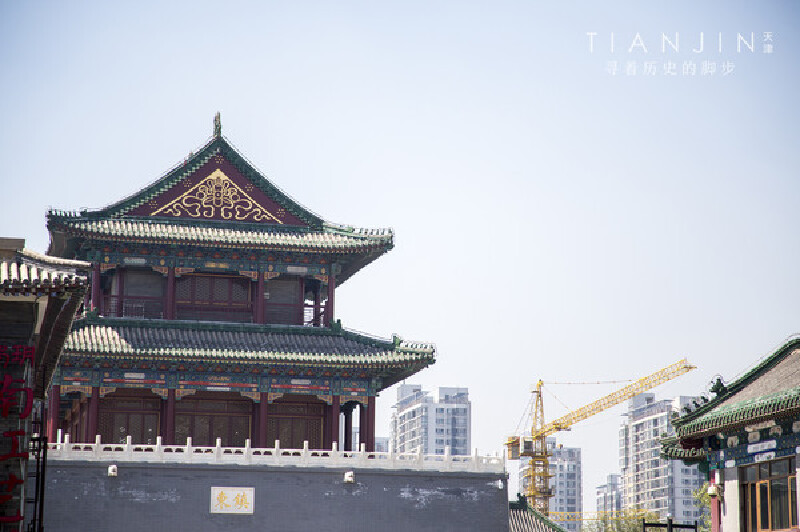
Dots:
pixel 271 456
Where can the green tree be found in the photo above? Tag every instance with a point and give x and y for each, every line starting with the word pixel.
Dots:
pixel 702 500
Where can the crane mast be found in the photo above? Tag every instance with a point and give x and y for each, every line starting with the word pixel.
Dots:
pixel 538 490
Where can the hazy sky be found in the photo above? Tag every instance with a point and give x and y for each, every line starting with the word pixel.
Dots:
pixel 555 220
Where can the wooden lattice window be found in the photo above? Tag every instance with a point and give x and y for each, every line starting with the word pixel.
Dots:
pixel 214 297
pixel 206 420
pixel 294 423
pixel 144 283
pixel 283 302
pixel 768 493
pixel 136 417
pixel 213 290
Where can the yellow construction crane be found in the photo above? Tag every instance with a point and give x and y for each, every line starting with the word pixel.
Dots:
pixel 538 491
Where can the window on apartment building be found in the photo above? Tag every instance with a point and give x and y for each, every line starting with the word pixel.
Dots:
pixel 768 496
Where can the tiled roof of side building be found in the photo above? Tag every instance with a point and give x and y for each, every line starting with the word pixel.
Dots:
pixel 523 518
pixel 187 340
pixel 761 393
pixel 31 272
pixel 329 238
pixel 765 407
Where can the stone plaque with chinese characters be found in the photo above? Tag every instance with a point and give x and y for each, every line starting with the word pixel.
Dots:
pixel 232 500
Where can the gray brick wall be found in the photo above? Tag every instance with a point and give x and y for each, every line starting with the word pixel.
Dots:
pixel 158 497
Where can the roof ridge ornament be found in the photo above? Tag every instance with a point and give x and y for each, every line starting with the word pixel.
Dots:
pixel 217 125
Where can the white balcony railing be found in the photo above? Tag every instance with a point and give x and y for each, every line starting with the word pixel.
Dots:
pixel 270 456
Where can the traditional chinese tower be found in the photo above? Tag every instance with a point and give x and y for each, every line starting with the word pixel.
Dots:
pixel 213 316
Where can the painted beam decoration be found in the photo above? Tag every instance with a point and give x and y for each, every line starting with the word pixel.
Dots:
pixel 82 380
pixel 755 443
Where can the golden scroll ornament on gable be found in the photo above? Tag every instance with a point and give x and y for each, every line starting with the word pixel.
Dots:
pixel 217 196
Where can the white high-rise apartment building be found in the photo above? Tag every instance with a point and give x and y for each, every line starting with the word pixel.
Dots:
pixel 566 482
pixel 609 495
pixel 648 481
pixel 431 421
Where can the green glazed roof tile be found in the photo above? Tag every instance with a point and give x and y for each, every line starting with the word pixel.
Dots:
pixel 523 518
pixel 761 408
pixel 713 415
pixel 330 238
pixel 258 343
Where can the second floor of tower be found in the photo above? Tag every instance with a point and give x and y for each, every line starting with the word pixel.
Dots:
pixel 214 240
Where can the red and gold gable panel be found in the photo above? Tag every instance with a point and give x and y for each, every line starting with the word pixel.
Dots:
pixel 217 191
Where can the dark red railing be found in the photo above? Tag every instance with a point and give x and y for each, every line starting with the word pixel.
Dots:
pixel 133 307
pixel 242 313
pixel 154 308
pixel 294 314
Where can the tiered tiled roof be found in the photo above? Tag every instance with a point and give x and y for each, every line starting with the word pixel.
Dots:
pixel 767 391
pixel 31 273
pixel 269 344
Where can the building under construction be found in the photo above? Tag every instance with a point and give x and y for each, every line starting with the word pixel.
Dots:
pixel 649 482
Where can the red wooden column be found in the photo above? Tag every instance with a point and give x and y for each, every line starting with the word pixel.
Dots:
pixel 262 418
pixel 169 311
pixel 348 428
pixel 53 404
pixel 83 426
pixel 169 422
pixel 93 413
pixel 302 307
pixel 370 436
pixel 329 305
pixel 120 291
pixel 334 410
pixel 258 311
pixel 96 292
pixel 366 429
pixel 715 502
pixel 317 308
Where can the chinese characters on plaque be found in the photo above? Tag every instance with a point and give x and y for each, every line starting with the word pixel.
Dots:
pixel 16 404
pixel 232 500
